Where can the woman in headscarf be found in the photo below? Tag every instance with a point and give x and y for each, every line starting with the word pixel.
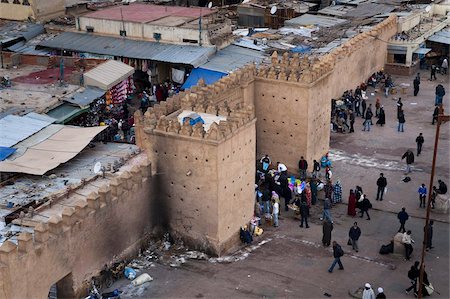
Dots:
pixel 377 107
pixel 381 117
pixel 351 208
pixel 308 195
pixel 337 192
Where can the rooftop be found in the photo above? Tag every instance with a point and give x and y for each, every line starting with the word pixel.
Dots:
pixel 114 46
pixel 28 188
pixel 145 13
pixel 22 98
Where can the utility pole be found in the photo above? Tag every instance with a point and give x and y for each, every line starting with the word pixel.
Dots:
pixel 441 119
pixel 200 28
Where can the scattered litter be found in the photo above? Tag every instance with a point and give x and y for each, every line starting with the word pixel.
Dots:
pixel 129 273
pixel 143 278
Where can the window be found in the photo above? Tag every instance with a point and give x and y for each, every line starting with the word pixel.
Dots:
pixel 190 41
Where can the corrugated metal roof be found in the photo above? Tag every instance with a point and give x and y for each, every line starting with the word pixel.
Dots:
pixel 113 46
pixel 85 96
pixel 65 112
pixel 442 36
pixel 144 13
pixel 232 58
pixel 317 20
pixel 336 10
pixel 15 128
pixel 20 30
pixel 108 74
pixel 366 10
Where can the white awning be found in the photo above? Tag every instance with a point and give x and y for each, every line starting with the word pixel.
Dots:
pixel 56 149
pixel 108 74
pixel 422 51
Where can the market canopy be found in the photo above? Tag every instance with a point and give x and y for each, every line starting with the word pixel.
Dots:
pixel 108 74
pixel 199 73
pixel 85 96
pixel 5 152
pixel 48 154
pixel 66 112
pixel 442 37
pixel 14 129
pixel 138 49
pixel 422 51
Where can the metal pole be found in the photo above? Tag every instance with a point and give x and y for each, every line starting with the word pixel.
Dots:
pixel 427 219
pixel 1 53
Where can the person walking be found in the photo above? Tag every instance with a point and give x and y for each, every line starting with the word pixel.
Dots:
pixel 304 212
pixel 422 195
pixel 407 242
pixel 433 73
pixel 435 115
pixel 380 294
pixel 326 215
pixel 409 155
pixel 316 169
pixel 337 194
pixel 368 293
pixel 352 120
pixel 444 66
pixel 401 121
pixel 381 185
pixel 440 92
pixel 302 167
pixel 399 106
pixel 402 217
pixel 416 84
pixel 337 254
pixel 365 206
pixel 327 228
pixel 367 120
pixel 413 275
pixel 275 212
pixel 351 207
pixel 313 187
pixel 363 106
pixel 354 234
pixel 381 117
pixel 429 240
pixel 419 140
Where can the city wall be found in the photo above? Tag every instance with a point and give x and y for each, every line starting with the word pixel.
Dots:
pixel 292 94
pixel 205 178
pixel 70 248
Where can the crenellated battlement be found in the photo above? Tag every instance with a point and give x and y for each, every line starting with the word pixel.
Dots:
pixel 308 69
pixel 223 98
pixel 47 234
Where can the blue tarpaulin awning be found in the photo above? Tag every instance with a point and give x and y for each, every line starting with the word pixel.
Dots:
pixel 301 49
pixel 5 152
pixel 199 73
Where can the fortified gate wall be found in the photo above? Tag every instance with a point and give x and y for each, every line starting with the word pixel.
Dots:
pixel 205 178
pixel 292 94
pixel 79 239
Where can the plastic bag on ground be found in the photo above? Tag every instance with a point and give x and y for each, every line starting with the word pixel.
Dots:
pixel 143 278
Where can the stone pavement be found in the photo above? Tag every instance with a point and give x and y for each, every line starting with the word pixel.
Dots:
pixel 360 157
pixel 293 264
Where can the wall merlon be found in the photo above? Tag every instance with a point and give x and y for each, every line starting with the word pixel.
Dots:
pixel 93 200
pixel 105 194
pixel 25 242
pixel 68 216
pixel 41 233
pixel 8 251
pixel 55 225
pixel 125 177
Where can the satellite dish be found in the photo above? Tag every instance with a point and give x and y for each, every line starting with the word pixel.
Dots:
pixel 428 8
pixel 273 10
pixel 210 4
pixel 97 168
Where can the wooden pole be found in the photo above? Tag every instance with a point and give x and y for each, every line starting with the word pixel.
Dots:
pixel 441 119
